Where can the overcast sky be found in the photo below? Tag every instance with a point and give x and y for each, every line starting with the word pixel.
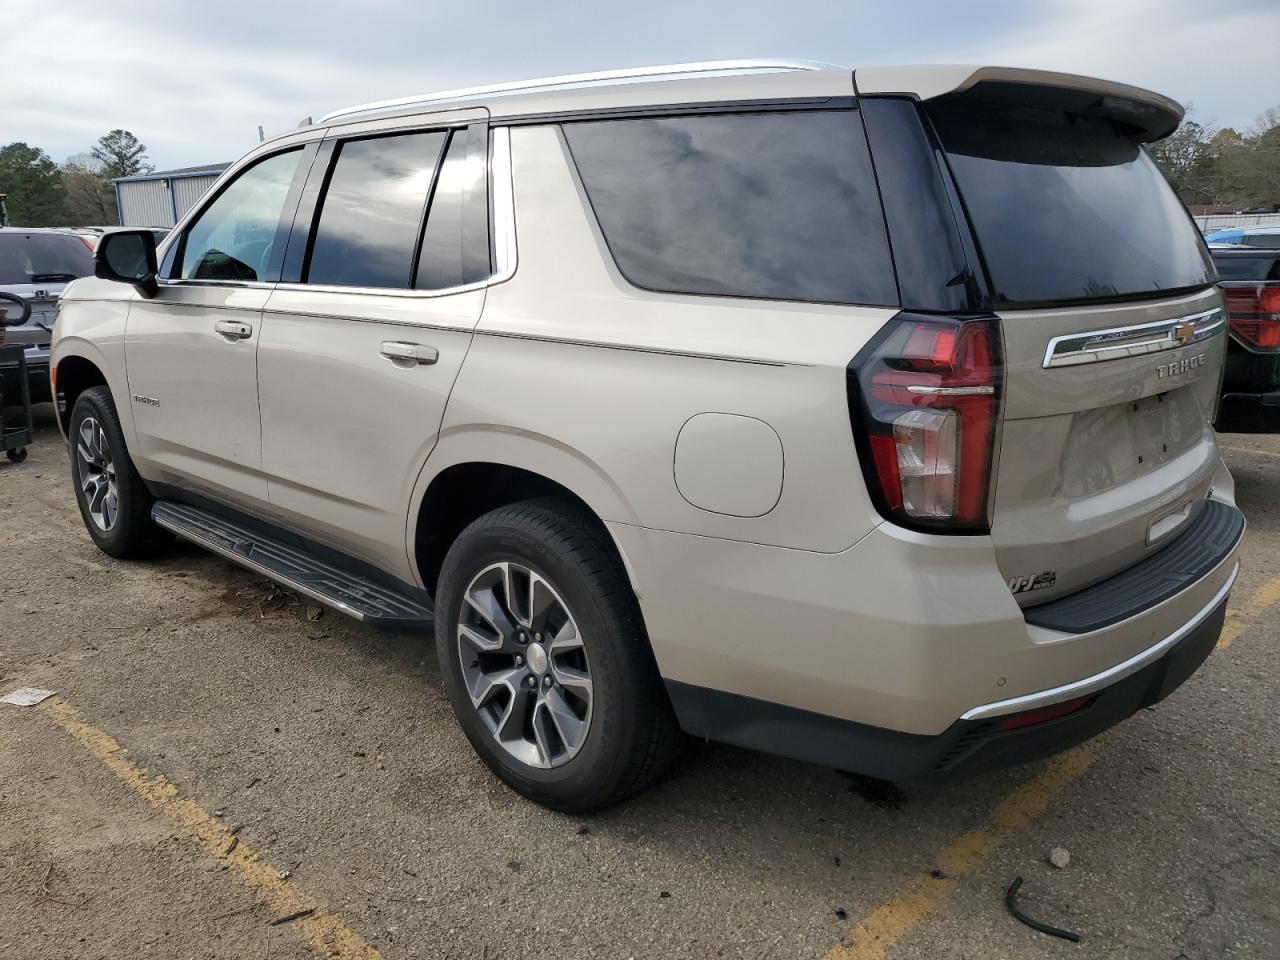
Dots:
pixel 194 81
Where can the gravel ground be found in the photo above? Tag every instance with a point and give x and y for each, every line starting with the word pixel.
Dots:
pixel 329 748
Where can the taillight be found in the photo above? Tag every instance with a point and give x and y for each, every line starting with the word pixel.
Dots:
pixel 86 241
pixel 924 397
pixel 1255 316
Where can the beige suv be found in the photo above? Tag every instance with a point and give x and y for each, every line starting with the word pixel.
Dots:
pixel 858 416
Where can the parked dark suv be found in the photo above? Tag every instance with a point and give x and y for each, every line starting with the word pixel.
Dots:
pixel 1250 279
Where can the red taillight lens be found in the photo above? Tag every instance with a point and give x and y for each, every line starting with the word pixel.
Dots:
pixel 924 397
pixel 1255 316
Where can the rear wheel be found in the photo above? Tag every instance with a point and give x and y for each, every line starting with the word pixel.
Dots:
pixel 546 661
pixel 114 503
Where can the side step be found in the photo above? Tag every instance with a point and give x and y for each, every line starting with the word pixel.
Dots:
pixel 293 567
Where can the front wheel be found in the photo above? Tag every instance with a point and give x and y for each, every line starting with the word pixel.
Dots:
pixel 114 503
pixel 546 661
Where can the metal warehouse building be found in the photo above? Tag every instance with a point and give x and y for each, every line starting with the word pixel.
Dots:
pixel 158 199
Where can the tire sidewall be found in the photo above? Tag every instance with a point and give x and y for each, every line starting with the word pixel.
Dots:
pixel 92 403
pixel 591 768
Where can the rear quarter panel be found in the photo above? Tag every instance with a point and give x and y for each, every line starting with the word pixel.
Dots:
pixel 579 376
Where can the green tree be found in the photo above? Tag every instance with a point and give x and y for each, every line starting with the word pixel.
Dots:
pixel 36 196
pixel 121 155
pixel 1187 160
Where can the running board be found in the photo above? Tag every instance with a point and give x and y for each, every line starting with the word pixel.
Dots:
pixel 293 567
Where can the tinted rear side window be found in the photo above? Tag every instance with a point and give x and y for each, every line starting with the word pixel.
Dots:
pixel 372 210
pixel 1065 206
pixel 779 206
pixel 448 257
pixel 42 258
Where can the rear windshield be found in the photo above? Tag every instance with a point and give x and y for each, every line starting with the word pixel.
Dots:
pixel 779 206
pixel 42 258
pixel 1066 207
pixel 1234 267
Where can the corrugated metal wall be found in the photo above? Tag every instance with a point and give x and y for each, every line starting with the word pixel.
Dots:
pixel 145 203
pixel 187 191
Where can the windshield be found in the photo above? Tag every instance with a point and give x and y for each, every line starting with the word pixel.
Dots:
pixel 42 258
pixel 1066 207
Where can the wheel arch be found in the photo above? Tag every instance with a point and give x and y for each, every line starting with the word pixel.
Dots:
pixel 72 375
pixel 469 477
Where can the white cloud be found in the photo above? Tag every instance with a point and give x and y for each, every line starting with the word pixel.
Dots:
pixel 194 81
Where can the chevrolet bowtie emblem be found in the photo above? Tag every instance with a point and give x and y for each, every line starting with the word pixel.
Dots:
pixel 1184 333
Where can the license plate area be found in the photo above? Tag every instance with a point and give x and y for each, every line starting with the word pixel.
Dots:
pixel 1111 445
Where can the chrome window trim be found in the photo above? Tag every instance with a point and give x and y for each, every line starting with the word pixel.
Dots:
pixel 1098 681
pixel 1096 346
pixel 246 284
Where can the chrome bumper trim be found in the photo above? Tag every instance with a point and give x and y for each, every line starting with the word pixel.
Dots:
pixel 1098 681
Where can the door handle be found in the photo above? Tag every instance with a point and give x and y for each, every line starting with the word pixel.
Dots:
pixel 404 354
pixel 233 329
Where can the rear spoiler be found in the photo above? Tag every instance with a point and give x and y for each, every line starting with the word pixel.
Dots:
pixel 1150 115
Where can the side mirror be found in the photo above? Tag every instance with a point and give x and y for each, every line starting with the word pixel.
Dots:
pixel 128 256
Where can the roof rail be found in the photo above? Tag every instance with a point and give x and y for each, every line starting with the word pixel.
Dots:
pixel 674 71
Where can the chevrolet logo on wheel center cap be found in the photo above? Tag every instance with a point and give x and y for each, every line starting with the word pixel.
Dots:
pixel 537 659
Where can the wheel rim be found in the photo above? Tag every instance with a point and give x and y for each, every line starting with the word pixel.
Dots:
pixel 97 474
pixel 524 665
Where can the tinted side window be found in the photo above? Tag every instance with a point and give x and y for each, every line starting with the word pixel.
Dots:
pixel 458 217
pixel 1247 268
pixel 779 206
pixel 372 210
pixel 233 239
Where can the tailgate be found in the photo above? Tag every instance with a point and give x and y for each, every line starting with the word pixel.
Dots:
pixel 1113 333
pixel 1106 449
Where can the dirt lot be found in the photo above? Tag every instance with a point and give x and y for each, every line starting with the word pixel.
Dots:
pixel 208 735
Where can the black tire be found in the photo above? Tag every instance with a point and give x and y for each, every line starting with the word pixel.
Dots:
pixel 17 456
pixel 132 534
pixel 632 737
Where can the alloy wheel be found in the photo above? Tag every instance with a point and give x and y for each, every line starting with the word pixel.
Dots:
pixel 524 665
pixel 96 470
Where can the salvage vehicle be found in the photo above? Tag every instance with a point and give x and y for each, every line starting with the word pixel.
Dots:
pixel 859 417
pixel 1250 280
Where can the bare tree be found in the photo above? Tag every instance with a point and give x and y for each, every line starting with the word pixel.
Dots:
pixel 90 196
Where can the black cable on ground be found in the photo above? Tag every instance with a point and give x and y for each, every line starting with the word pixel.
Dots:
pixel 1010 901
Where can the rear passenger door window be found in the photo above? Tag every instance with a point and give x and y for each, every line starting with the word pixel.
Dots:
pixel 373 204
pixel 403 211
pixel 779 206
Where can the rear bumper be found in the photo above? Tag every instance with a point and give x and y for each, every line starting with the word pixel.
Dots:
pixel 973 744
pixel 1249 413
pixel 901 657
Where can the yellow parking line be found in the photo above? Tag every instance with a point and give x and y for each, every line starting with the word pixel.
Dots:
pixel 1263 599
pixel 884 926
pixel 327 933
